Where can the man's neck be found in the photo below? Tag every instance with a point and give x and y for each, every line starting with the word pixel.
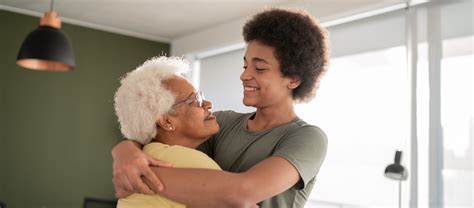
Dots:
pixel 270 117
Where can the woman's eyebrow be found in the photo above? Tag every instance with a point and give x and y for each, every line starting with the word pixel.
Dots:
pixel 191 94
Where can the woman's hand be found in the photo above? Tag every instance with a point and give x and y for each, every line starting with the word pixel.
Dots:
pixel 130 165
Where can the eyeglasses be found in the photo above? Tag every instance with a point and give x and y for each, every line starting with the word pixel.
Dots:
pixel 198 97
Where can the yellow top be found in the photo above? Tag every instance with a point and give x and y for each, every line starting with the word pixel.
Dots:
pixel 180 157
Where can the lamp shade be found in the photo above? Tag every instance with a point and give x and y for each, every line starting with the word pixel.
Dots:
pixel 396 171
pixel 46 48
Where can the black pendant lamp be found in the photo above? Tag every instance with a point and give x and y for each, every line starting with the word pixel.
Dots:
pixel 47 48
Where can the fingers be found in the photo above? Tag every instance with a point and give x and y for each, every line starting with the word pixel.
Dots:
pixel 139 185
pixel 120 180
pixel 123 183
pixel 127 177
pixel 148 182
pixel 153 180
pixel 130 170
pixel 121 193
pixel 131 181
pixel 159 163
pixel 120 189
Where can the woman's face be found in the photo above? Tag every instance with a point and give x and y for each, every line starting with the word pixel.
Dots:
pixel 263 82
pixel 191 120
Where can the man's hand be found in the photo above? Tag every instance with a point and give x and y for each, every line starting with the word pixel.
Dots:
pixel 130 165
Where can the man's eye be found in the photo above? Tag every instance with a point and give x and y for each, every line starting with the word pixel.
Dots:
pixel 244 67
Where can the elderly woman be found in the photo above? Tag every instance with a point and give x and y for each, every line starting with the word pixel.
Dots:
pixel 160 109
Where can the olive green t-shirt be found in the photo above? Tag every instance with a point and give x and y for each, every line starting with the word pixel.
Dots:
pixel 236 149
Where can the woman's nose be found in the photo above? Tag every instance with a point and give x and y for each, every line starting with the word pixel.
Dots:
pixel 206 104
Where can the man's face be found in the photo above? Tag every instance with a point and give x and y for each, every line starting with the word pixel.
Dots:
pixel 263 82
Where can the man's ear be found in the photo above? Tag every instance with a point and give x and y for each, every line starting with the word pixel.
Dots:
pixel 165 122
pixel 294 82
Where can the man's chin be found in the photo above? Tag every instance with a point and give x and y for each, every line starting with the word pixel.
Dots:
pixel 248 103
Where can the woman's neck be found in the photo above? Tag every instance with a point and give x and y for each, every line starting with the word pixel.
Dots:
pixel 171 139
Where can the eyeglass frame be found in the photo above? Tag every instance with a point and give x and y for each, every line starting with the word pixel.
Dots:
pixel 198 97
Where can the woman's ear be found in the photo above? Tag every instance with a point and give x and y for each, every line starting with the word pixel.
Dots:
pixel 165 122
pixel 294 82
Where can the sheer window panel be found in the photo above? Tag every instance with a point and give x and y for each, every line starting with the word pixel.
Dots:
pixel 423 124
pixel 457 120
pixel 457 92
pixel 362 107
pixel 456 28
pixel 362 104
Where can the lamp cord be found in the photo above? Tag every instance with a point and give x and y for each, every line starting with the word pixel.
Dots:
pixel 51 8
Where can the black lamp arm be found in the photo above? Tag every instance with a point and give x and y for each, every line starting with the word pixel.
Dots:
pixel 398 156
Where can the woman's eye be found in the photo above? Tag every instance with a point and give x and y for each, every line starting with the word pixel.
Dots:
pixel 190 102
pixel 259 69
pixel 244 67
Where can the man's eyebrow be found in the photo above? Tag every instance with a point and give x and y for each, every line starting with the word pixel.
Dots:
pixel 256 59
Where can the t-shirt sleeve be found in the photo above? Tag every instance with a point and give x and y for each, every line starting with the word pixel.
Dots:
pixel 305 149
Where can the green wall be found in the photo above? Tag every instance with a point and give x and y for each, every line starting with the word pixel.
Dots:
pixel 57 129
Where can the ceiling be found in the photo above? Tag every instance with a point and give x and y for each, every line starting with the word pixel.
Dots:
pixel 165 20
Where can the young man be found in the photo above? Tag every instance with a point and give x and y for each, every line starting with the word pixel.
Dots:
pixel 270 156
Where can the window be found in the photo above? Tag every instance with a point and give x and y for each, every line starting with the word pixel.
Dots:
pixel 457 120
pixel 362 106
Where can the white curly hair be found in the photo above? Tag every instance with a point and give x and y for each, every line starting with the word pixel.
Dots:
pixel 142 98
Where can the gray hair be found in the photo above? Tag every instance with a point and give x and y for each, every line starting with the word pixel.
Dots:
pixel 142 98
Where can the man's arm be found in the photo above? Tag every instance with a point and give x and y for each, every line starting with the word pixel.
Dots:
pixel 213 188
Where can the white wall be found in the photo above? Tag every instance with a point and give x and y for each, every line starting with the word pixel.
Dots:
pixel 214 38
pixel 229 34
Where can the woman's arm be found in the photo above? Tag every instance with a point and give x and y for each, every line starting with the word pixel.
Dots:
pixel 212 188
pixel 130 165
